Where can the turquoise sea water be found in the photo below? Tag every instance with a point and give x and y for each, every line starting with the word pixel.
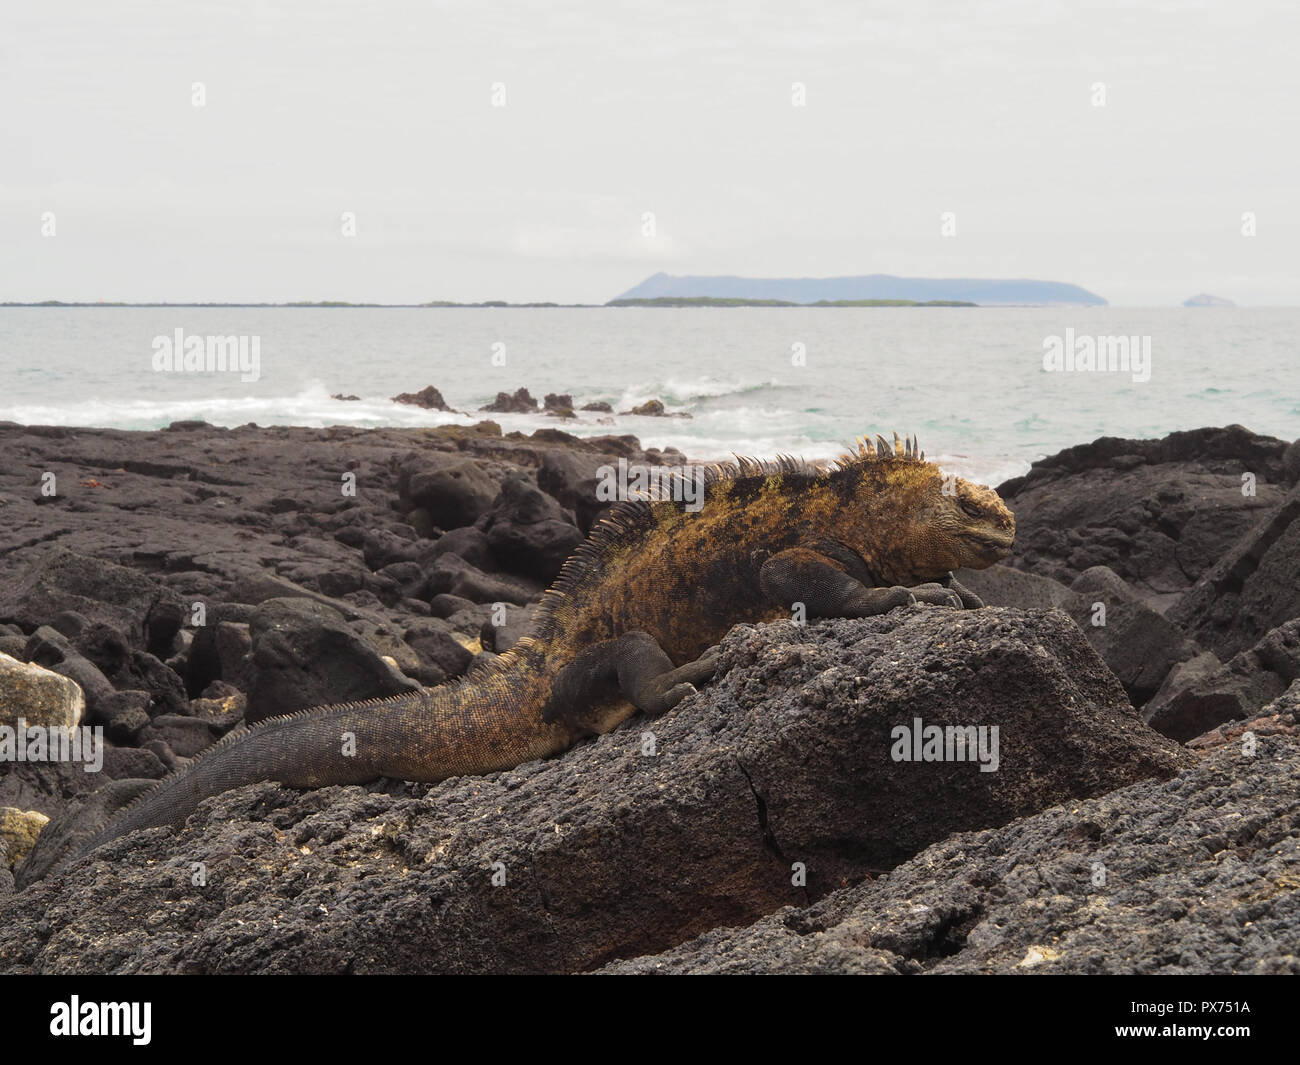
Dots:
pixel 969 382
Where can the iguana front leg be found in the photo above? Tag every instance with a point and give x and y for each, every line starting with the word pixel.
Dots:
pixel 826 588
pixel 637 666
pixel 969 600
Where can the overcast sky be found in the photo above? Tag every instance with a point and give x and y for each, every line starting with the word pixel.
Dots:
pixel 682 109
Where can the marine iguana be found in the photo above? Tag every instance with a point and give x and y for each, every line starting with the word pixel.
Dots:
pixel 626 627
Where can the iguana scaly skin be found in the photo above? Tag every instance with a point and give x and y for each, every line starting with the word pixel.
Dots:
pixel 628 625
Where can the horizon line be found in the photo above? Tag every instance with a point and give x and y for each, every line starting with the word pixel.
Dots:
pixel 615 304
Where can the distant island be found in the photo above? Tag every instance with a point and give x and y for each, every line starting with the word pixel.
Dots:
pixel 658 301
pixel 1204 299
pixel 666 290
pixel 867 290
pixel 308 304
pixel 716 301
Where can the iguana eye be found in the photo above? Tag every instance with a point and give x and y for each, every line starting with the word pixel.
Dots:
pixel 970 508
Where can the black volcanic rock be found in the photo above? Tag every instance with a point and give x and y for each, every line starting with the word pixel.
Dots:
pixel 785 759
pixel 783 751
pixel 1291 463
pixel 442 657
pixel 220 648
pixel 184 736
pixel 1252 588
pixel 1160 513
pixel 469 542
pixel 654 408
pixel 1181 876
pixel 559 406
pixel 529 532
pixel 451 574
pixel 194 518
pixel 572 477
pixel 1190 706
pixel 516 624
pixel 51 649
pixel 304 654
pixel 1138 645
pixel 124 714
pixel 521 402
pixel 453 493
pixel 429 398
pixel 61 580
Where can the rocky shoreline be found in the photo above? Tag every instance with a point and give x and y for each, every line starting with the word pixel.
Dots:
pixel 171 586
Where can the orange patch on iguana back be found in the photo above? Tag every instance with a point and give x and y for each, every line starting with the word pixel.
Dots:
pixel 687 576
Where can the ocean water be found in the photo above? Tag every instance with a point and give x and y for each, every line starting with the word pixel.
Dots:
pixel 755 381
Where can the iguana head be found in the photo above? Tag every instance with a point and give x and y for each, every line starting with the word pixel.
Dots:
pixel 968 526
pixel 924 524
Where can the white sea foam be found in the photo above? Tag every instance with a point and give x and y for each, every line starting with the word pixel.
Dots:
pixel 311 406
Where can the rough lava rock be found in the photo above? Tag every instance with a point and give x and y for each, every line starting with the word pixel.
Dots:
pixel 452 575
pixel 1281 717
pixel 632 843
pixel 429 398
pixel 521 402
pixel 558 405
pixel 529 532
pixel 1198 876
pixel 1207 697
pixel 1159 513
pixel 515 623
pixel 197 514
pixel 1138 644
pixel 221 648
pixel 102 583
pixel 654 408
pixel 453 493
pixel 62 580
pixel 572 477
pixel 1253 588
pixel 304 654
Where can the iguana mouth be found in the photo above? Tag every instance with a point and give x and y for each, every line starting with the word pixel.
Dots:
pixel 1001 544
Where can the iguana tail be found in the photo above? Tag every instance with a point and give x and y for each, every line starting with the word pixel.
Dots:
pixel 484 723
